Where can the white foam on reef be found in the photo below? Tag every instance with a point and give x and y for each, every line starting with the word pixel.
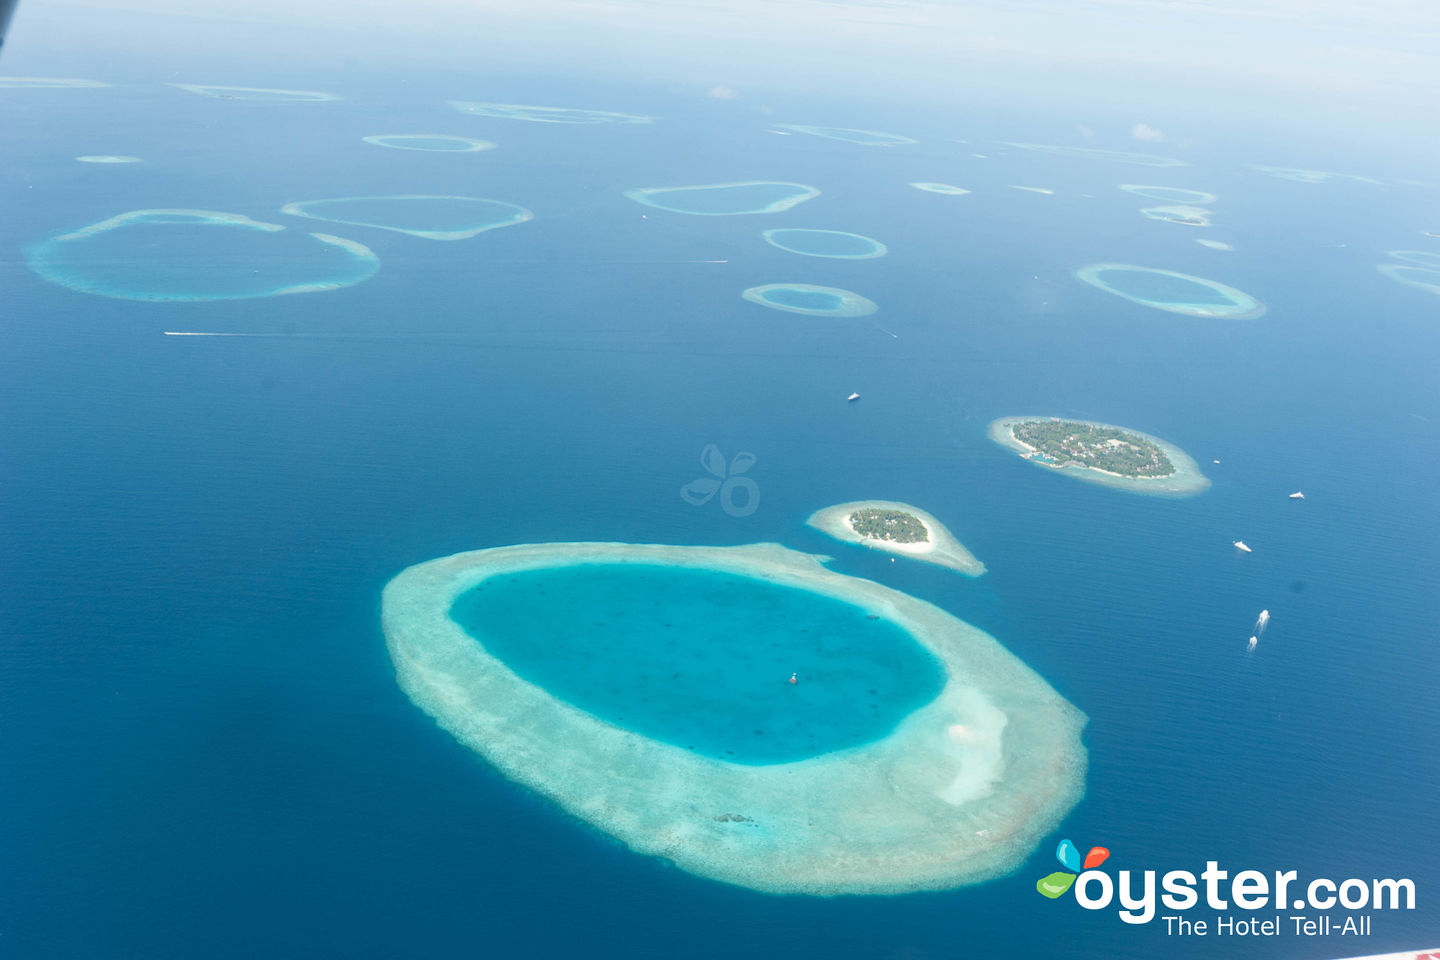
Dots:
pixel 1422 258
pixel 108 158
pixel 656 197
pixel 511 214
pixel 1422 278
pixel 1043 190
pixel 866 138
pixel 1242 306
pixel 38 256
pixel 48 83
pixel 1091 153
pixel 1186 481
pixel 941 548
pixel 1169 194
pixel 1215 244
pixel 1182 214
pixel 961 791
pixel 848 303
pixel 415 141
pixel 945 188
pixel 255 93
pixel 518 111
pixel 778 237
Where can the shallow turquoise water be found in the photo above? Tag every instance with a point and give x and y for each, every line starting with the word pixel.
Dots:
pixel 702 659
pixel 825 243
pixel 803 299
pixel 1163 288
pixel 721 199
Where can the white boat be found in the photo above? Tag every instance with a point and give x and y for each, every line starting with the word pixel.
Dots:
pixel 1214 461
pixel 1297 495
pixel 853 397
pixel 1240 545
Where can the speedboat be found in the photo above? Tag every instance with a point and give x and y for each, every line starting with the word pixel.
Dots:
pixel 1297 495
pixel 1240 545
pixel 853 397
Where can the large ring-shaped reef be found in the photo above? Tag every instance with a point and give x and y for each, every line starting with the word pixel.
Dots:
pixel 867 138
pixel 419 215
pixel 518 111
pixel 835 244
pixel 1179 213
pixel 725 199
pixel 811 300
pixel 429 142
pixel 1102 453
pixel 256 93
pixel 1422 278
pixel 1422 258
pixel 1171 291
pixel 742 712
pixel 197 255
pixel 948 189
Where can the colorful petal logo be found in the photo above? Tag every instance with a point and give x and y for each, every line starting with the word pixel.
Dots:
pixel 1069 856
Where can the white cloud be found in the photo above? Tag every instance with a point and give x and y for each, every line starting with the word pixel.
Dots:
pixel 1146 133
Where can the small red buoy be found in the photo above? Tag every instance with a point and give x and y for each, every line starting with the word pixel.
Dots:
pixel 792 678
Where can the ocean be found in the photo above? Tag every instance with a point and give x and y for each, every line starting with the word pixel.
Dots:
pixel 206 753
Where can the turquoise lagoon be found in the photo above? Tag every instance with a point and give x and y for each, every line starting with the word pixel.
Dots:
pixel 811 300
pixel 836 244
pixel 197 255
pixel 430 217
pixel 429 142
pixel 1171 291
pixel 725 199
pixel 701 659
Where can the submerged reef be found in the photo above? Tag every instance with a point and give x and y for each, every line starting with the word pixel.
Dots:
pixel 836 244
pixel 419 215
pixel 255 93
pixel 1171 291
pixel 1423 258
pixel 897 528
pixel 55 83
pixel 868 138
pixel 517 111
pixel 429 142
pixel 1170 194
pixel 1186 215
pixel 725 199
pixel 1422 278
pixel 945 188
pixel 107 158
pixel 197 255
pixel 1102 453
pixel 1215 244
pixel 810 300
pixel 1090 153
pixel 960 791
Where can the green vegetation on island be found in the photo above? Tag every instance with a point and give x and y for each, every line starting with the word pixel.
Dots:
pixel 893 525
pixel 1061 443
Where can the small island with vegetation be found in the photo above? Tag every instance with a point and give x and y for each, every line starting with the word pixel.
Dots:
pixel 896 528
pixel 1102 453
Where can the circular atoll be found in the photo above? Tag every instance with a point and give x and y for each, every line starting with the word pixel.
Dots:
pixel 725 199
pixel 1185 215
pixel 1172 291
pixel 1421 277
pixel 896 528
pixel 867 138
pixel 197 255
pixel 517 111
pixel 1301 175
pixel 1102 453
pixel 948 190
pixel 836 244
pixel 1170 194
pixel 811 300
pixel 429 142
pixel 107 158
pixel 49 83
pixel 1091 153
pixel 256 93
pixel 731 720
pixel 1422 258
pixel 418 215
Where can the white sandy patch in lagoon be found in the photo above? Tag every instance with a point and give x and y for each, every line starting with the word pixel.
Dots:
pixel 941 548
pixel 961 791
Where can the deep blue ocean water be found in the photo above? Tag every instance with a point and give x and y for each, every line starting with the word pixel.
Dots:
pixel 205 751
